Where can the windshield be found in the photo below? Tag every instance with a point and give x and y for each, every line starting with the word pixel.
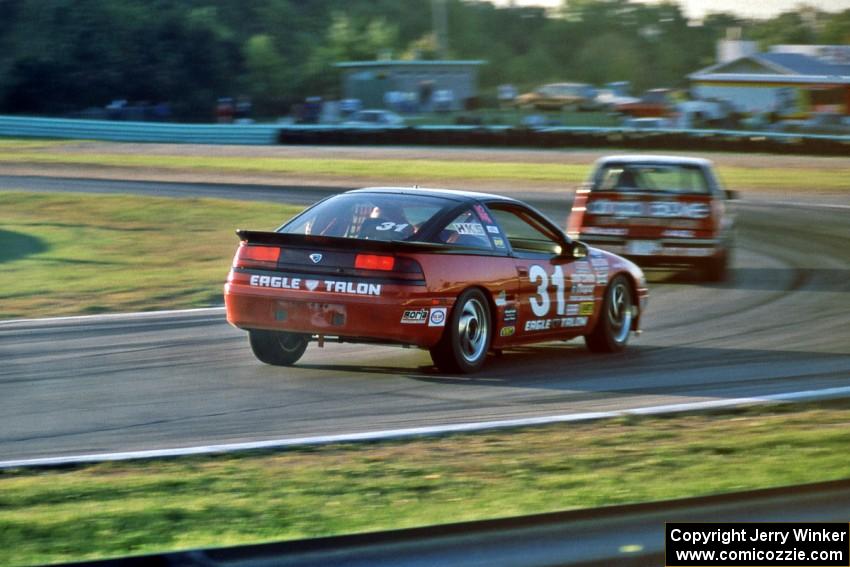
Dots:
pixel 663 178
pixel 368 216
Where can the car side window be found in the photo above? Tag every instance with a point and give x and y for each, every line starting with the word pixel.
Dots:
pixel 525 234
pixel 466 230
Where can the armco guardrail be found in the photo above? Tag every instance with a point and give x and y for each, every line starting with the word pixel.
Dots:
pixel 575 137
pixel 619 535
pixel 435 135
pixel 120 131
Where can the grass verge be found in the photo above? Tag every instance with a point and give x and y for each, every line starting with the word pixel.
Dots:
pixel 131 508
pixel 63 254
pixel 421 171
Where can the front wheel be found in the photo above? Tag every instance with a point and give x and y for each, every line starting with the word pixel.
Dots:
pixel 277 348
pixel 466 339
pixel 611 332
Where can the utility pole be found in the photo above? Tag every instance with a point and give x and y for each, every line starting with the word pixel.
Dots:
pixel 440 20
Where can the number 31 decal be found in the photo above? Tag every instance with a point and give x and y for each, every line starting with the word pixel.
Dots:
pixel 391 225
pixel 540 306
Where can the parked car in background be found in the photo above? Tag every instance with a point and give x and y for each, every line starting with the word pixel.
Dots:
pixel 655 102
pixel 608 99
pixel 374 117
pixel 349 106
pixel 702 113
pixel 657 211
pixel 558 96
pixel 648 123
pixel 443 100
pixel 818 123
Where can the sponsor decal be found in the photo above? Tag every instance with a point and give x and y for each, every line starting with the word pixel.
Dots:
pixel 275 281
pixel 583 289
pixel 415 316
pixel 678 233
pixel 482 213
pixel 353 288
pixel 492 229
pixel 501 299
pixel 332 286
pixel 580 298
pixel 643 247
pixel 316 258
pixel 600 263
pixel 572 309
pixel 602 278
pixel 510 315
pixel 499 242
pixel 604 231
pixel 559 323
pixel 471 228
pixel 582 266
pixel 680 251
pixel 655 209
pixel 584 278
pixel 438 317
pixel 507 331
pixel 585 308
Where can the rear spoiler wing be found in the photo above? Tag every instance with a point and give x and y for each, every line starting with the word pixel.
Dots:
pixel 334 242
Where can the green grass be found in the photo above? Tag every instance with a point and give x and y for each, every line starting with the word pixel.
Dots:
pixel 422 171
pixel 131 508
pixel 31 144
pixel 71 253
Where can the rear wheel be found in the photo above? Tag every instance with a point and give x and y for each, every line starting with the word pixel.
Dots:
pixel 278 348
pixel 611 332
pixel 716 269
pixel 466 339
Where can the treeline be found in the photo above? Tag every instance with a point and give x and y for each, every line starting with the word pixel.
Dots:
pixel 60 56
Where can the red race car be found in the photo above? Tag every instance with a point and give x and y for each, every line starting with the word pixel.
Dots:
pixel 460 274
pixel 657 211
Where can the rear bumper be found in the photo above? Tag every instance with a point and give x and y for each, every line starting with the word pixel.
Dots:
pixel 380 319
pixel 659 252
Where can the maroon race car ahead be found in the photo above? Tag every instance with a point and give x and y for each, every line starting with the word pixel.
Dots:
pixel 657 211
pixel 460 274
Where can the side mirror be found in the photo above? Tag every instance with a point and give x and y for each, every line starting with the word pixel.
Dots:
pixel 732 195
pixel 579 250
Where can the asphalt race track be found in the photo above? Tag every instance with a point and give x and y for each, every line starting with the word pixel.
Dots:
pixel 107 384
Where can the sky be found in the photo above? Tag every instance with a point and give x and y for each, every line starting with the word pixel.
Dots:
pixel 698 8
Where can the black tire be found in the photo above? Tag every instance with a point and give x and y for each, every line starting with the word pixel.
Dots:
pixel 716 269
pixel 466 339
pixel 611 333
pixel 278 348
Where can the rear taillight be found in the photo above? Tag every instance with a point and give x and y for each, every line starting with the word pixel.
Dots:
pixel 374 262
pixel 256 255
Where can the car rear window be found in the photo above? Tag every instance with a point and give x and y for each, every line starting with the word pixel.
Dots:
pixel 368 216
pixel 663 178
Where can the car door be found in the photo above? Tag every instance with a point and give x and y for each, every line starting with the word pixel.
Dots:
pixel 557 293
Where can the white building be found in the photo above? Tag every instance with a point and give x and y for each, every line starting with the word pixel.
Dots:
pixel 789 80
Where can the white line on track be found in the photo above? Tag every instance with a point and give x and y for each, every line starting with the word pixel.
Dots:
pixel 424 431
pixel 114 316
pixel 792 204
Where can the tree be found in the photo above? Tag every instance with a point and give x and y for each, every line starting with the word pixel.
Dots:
pixel 266 74
pixel 836 30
